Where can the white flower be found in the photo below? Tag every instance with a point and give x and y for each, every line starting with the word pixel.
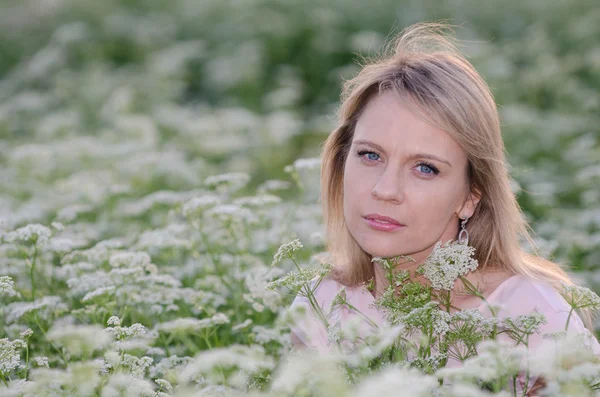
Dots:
pixel 102 291
pixel 30 234
pixel 579 297
pixel 403 382
pixel 243 325
pixel 163 384
pixel 198 204
pixel 45 307
pixel 305 164
pixel 273 185
pixel 446 263
pixel 184 325
pixel 79 339
pixel 125 333
pixel 10 357
pixel 114 320
pixel 130 259
pixel 258 201
pixel 26 333
pixel 41 361
pixel 495 359
pixel 231 181
pixel 121 384
pixel 286 250
pixel 219 318
pixel 7 286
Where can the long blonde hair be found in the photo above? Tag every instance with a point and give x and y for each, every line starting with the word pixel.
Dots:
pixel 424 67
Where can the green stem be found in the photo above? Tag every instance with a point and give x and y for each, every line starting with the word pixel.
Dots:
pixel 311 298
pixel 36 321
pixel 569 318
pixel 32 271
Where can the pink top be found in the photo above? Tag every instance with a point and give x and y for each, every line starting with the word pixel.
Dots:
pixel 517 295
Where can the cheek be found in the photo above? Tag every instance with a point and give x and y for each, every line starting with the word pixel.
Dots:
pixel 434 206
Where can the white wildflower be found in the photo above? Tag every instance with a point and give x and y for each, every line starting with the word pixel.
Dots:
pixel 79 340
pixel 580 297
pixel 525 324
pixel 446 263
pixel 257 201
pixel 249 359
pixel 114 320
pixel 30 234
pixel 228 182
pixel 243 325
pixel 7 286
pixel 130 259
pixel 41 361
pixel 495 359
pixel 10 357
pixel 163 384
pixel 121 384
pixel 26 333
pixel 58 226
pixel 232 212
pixel 272 185
pixel 219 318
pixel 125 333
pixel 410 382
pixel 197 205
pixel 306 164
pixel 286 250
pixel 102 291
pixel 185 325
pixel 45 308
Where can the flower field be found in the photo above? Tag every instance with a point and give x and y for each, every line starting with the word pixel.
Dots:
pixel 155 155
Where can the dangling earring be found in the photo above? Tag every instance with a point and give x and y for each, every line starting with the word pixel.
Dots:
pixel 463 235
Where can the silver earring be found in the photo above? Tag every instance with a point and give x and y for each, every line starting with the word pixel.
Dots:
pixel 463 235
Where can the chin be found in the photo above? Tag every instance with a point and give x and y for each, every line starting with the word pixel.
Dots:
pixel 382 250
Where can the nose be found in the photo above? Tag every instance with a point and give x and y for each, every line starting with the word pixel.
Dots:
pixel 388 187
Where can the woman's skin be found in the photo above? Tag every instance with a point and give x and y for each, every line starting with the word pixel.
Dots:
pixel 401 167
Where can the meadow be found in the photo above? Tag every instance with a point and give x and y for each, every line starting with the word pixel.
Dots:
pixel 156 154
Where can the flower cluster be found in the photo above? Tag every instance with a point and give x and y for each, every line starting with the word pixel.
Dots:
pixel 446 263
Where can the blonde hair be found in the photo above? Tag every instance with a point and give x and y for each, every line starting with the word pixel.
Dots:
pixel 425 69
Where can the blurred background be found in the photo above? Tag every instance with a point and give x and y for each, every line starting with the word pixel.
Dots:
pixel 111 109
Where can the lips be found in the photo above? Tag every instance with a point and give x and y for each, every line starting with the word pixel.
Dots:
pixel 383 219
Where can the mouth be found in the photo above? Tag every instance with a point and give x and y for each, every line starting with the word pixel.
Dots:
pixel 382 223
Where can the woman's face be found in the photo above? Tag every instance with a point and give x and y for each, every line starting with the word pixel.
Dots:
pixel 405 169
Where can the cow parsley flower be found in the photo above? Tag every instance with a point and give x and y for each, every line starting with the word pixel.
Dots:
pixel 579 297
pixel 229 182
pixel 124 333
pixel 185 325
pixel 10 356
pixel 286 250
pixel 130 259
pixel 41 361
pixel 448 262
pixel 79 340
pixel 30 234
pixel 7 286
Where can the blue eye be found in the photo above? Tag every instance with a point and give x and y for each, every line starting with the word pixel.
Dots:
pixel 429 167
pixel 371 156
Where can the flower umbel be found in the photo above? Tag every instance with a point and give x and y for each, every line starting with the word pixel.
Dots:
pixel 286 250
pixel 446 263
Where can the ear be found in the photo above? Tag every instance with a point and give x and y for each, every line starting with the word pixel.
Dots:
pixel 470 204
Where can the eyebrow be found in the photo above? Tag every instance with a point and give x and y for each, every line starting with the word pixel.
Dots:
pixel 411 157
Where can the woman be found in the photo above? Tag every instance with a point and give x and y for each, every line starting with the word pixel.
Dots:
pixel 418 156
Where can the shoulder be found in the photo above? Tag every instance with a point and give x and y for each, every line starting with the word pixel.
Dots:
pixel 522 295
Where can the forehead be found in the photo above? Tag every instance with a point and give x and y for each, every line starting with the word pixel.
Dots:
pixel 388 122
